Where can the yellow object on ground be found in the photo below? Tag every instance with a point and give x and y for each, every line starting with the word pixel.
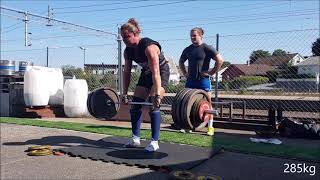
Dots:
pixel 39 151
pixel 210 131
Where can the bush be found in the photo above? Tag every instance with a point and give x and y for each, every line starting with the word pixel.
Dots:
pixel 273 75
pixel 109 80
pixel 246 81
pixel 174 88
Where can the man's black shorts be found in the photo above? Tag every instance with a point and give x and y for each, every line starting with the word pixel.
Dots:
pixel 145 79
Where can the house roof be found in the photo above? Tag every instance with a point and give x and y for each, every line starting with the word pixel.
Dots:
pixel 275 60
pixel 253 69
pixel 310 61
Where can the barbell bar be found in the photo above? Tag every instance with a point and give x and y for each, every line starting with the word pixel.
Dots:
pixel 139 103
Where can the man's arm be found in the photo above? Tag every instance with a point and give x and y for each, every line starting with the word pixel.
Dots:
pixel 182 66
pixel 219 61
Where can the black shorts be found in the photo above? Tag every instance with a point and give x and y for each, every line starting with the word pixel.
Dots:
pixel 145 79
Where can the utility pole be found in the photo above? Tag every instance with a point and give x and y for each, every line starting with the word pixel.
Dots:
pixel 47 56
pixel 84 55
pixel 26 28
pixel 217 74
pixel 50 13
pixel 60 21
pixel 120 85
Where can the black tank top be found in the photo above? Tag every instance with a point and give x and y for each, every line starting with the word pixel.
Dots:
pixel 140 57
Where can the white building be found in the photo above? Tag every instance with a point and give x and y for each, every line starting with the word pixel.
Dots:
pixel 219 74
pixel 174 73
pixel 309 66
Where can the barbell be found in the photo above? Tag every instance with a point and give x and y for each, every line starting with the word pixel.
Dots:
pixel 139 103
pixel 190 108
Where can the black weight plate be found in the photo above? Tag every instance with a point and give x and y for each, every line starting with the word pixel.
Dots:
pixel 194 111
pixel 184 103
pixel 189 105
pixel 114 95
pixel 184 111
pixel 89 104
pixel 102 104
pixel 175 106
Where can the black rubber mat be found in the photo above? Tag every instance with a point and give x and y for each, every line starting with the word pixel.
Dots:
pixel 169 156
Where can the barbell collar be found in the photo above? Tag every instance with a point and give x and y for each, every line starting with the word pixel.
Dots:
pixel 211 111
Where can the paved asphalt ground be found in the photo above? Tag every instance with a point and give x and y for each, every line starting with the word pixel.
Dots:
pixel 15 164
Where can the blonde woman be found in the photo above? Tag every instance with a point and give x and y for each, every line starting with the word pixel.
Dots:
pixel 153 79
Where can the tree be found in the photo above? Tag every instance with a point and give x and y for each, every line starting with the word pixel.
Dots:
pixel 258 54
pixel 93 80
pixel 109 80
pixel 279 52
pixel 316 47
pixel 225 64
pixel 69 70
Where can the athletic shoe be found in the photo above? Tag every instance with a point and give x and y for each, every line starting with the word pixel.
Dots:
pixel 153 146
pixel 134 142
pixel 210 131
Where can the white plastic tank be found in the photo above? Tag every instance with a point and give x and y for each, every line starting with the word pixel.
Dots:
pixel 36 90
pixel 56 86
pixel 75 97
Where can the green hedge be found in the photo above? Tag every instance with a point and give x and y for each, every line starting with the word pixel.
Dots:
pixel 246 81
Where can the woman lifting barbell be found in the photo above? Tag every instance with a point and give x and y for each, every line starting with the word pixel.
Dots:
pixel 199 55
pixel 153 79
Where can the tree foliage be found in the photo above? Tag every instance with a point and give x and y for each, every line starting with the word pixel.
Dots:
pixel 93 80
pixel 316 47
pixel 225 64
pixel 279 52
pixel 258 54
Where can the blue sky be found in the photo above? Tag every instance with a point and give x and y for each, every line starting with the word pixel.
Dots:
pixel 243 26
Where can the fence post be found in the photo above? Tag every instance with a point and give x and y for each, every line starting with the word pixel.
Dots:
pixel 217 74
pixel 120 88
pixel 47 56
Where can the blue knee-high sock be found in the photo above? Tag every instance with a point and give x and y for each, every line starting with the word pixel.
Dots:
pixel 155 124
pixel 136 121
pixel 136 116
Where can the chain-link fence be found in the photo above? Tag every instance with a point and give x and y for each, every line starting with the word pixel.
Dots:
pixel 259 69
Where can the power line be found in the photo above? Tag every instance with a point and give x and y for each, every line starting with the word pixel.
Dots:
pixel 235 16
pixel 59 21
pixel 270 32
pixel 8 27
pixel 49 37
pixel 99 5
pixel 222 22
pixel 246 34
pixel 62 27
pixel 247 7
pixel 12 29
pixel 113 9
pixel 59 47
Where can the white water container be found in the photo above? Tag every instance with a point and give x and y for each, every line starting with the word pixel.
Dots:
pixel 36 90
pixel 56 89
pixel 75 98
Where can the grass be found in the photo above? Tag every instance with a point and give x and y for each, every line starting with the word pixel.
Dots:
pixel 228 143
